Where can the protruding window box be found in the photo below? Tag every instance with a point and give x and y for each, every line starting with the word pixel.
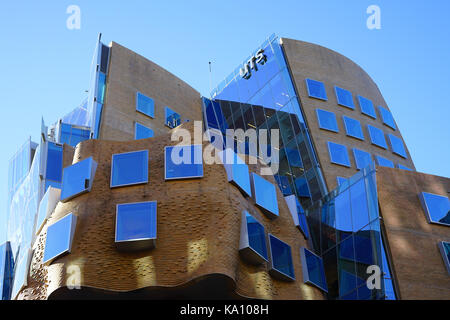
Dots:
pixel 436 207
pixel 46 206
pixel 78 179
pixel 298 214
pixel 444 247
pixel 136 226
pixel 313 270
pixel 59 238
pixel 265 196
pixel 129 168
pixel 280 263
pixel 237 171
pixel 22 269
pixel 252 244
pixel 183 162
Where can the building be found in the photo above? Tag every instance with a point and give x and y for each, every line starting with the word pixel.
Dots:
pixel 100 208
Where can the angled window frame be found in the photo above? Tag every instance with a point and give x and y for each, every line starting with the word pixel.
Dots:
pixel 314 96
pixel 372 134
pixel 305 270
pixel 145 181
pixel 402 153
pixel 370 113
pixel 246 251
pixel 293 205
pixel 274 272
pixel 194 146
pixel 46 206
pixel 136 125
pixel 152 114
pixel 92 170
pixel 69 238
pixel 385 113
pixel 356 155
pixel 329 143
pixel 402 167
pixel 347 131
pixel 245 187
pixel 426 207
pixel 445 258
pixel 321 125
pixel 379 160
pixel 341 103
pixel 271 214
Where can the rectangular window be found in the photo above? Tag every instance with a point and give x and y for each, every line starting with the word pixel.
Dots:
pixel 397 145
pixel 136 225
pixel 173 119
pixel 327 120
pixel 78 178
pixel 54 162
pixel 142 132
pixel 265 195
pixel 145 105
pixel 252 245
pixel 384 162
pixel 313 271
pixel 362 158
pixel 400 166
pixel 344 97
pixel 59 237
pixel 338 154
pixel 367 107
pixel 183 162
pixel 46 206
pixel 129 168
pixel 387 117
pixel 237 171
pixel 316 89
pixel 377 136
pixel 281 266
pixel 21 271
pixel 444 247
pixel 353 128
pixel 298 214
pixel 436 207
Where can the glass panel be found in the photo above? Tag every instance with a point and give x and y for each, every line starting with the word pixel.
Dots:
pixel 129 168
pixel 360 210
pixel 142 132
pixel 444 247
pixel 101 87
pixel 344 97
pixel 241 177
pixel 367 107
pixel 436 207
pixel 343 215
pixel 145 105
pixel 387 117
pixel 136 221
pixel 353 128
pixel 54 162
pixel 281 257
pixel 314 269
pixel 397 146
pixel 78 178
pixel 59 237
pixel 384 162
pixel 362 158
pixel 265 194
pixel 256 235
pixel 377 136
pixel 183 162
pixel 400 166
pixel 338 154
pixel 42 212
pixel 327 120
pixel 341 181
pixel 173 119
pixel 316 89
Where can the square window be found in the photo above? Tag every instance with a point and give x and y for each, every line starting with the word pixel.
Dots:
pixel 252 244
pixel 237 171
pixel 78 178
pixel 353 128
pixel 46 206
pixel 362 158
pixel 183 162
pixel 444 247
pixel 265 196
pixel 400 166
pixel 313 271
pixel 397 146
pixel 338 154
pixel 377 136
pixel 327 120
pixel 387 117
pixel 316 89
pixel 436 207
pixel 367 107
pixel 142 132
pixel 298 214
pixel 384 162
pixel 145 105
pixel 59 237
pixel 136 225
pixel 281 266
pixel 173 119
pixel 129 168
pixel 344 97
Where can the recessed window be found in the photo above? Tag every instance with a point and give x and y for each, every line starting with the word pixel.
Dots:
pixel 384 162
pixel 353 128
pixel 136 225
pixel 387 117
pixel 183 162
pixel 265 195
pixel 400 166
pixel 344 98
pixel 341 181
pixel 313 271
pixel 444 247
pixel 78 178
pixel 281 266
pixel 316 89
pixel 142 132
pixel 327 120
pixel 145 105
pixel 252 245
pixel 362 158
pixel 298 214
pixel 377 136
pixel 397 145
pixel 237 171
pixel 59 237
pixel 129 168
pixel 367 107
pixel 46 206
pixel 436 207
pixel 338 154
pixel 173 119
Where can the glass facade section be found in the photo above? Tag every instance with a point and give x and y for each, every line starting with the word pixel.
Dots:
pixel 59 237
pixel 344 98
pixel 72 134
pixel 362 158
pixel 237 171
pixel 21 270
pixel 173 119
pixel 436 207
pixel 252 245
pixel 281 265
pixel 265 195
pixel 145 105
pixel 444 247
pixel 367 107
pixel 142 132
pixel 338 154
pixel 384 162
pixel 341 181
pixel 353 128
pixel 183 162
pixel 387 117
pixel 46 207
pixel 397 145
pixel 129 168
pixel 313 270
pixel 316 89
pixel 54 166
pixel 327 120
pixel 6 271
pixel 78 178
pixel 377 136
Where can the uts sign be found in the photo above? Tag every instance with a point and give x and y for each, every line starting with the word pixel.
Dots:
pixel 259 58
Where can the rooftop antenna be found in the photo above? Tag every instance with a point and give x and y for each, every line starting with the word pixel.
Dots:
pixel 210 81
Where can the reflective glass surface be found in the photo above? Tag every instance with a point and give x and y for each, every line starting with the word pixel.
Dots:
pixel 136 221
pixel 341 180
pixel 397 145
pixel 367 107
pixel 145 105
pixel 78 178
pixel 316 89
pixel 384 162
pixel 444 247
pixel 377 136
pixel 353 128
pixel 237 171
pixel 42 212
pixel 436 207
pixel 6 271
pixel 387 117
pixel 362 158
pixel 59 237
pixel 256 235
pixel 327 120
pixel 303 224
pixel 344 97
pixel 173 119
pixel 313 268
pixel 129 168
pixel 54 162
pixel 142 132
pixel 281 257
pixel 338 154
pixel 182 162
pixel 72 135
pixel 265 194
pixel 400 166
pixel 21 270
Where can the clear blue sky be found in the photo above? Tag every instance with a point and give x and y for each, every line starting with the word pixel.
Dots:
pixel 44 67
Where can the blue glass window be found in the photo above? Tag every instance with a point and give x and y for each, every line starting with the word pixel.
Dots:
pixel 400 166
pixel 252 245
pixel 313 271
pixel 362 158
pixel 377 136
pixel 353 128
pixel 359 205
pixel 237 171
pixel 72 135
pixel 59 237
pixel 281 265
pixel 387 117
pixel 265 195
pixel 173 119
pixel 78 178
pixel 436 207
pixel 316 89
pixel 444 247
pixel 384 162
pixel 367 107
pixel 341 181
pixel 21 271
pixel 298 214
pixel 136 225
pixel 145 105
pixel 54 162
pixel 397 145
pixel 344 98
pixel 183 162
pixel 142 132
pixel 338 154
pixel 46 206
pixel 327 120
pixel 129 168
